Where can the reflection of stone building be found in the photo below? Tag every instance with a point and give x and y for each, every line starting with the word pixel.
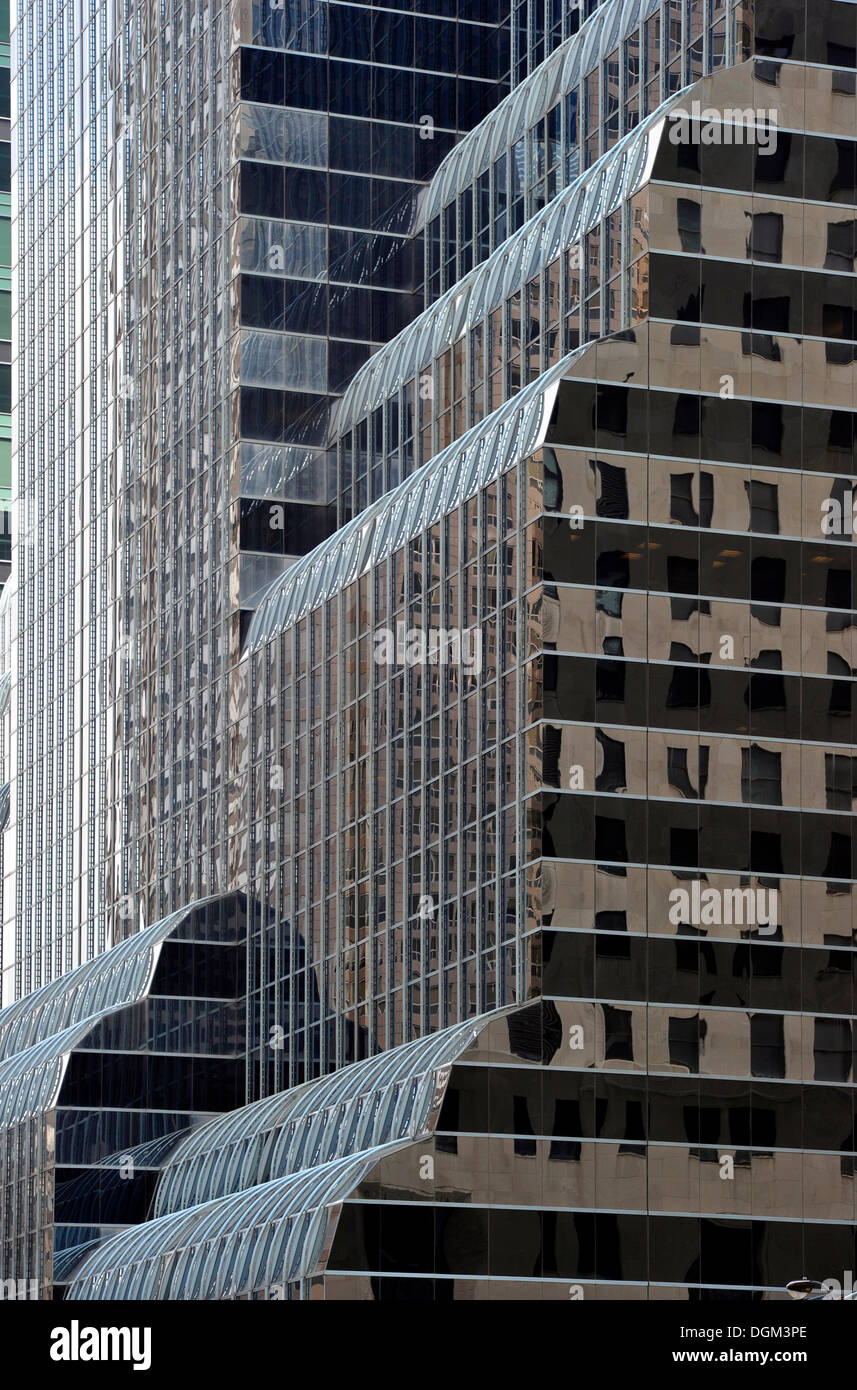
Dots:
pixel 478 1165
pixel 638 363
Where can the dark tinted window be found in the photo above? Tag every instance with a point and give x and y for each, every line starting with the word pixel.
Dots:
pixel 263 76
pixel 263 302
pixel 262 189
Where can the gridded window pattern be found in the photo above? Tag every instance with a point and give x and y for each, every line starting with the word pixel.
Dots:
pixel 568 718
pixel 616 1176
pixel 612 1181
pixel 383 830
pixel 540 26
pixel 558 284
pixel 596 88
pixel 90 1113
pixel 347 110
pixel 592 263
pixel 5 308
pixel 122 488
pixel 65 805
pixel 129 620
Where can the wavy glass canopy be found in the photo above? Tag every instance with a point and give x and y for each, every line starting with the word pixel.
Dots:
pixel 570 215
pixel 250 1240
pixel 276 1231
pixel 30 1081
pixel 94 1197
pixel 562 72
pixel 362 1106
pixel 113 979
pixel 480 456
pixel 66 1261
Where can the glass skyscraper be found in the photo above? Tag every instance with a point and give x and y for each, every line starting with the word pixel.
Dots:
pixel 5 300
pixel 213 213
pixel 476 768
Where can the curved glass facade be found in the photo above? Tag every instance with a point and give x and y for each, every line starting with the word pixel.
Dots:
pixel 527 104
pixel 250 1244
pixel 629 58
pixel 539 26
pixel 547 1180
pixel 115 978
pixel 558 283
pixel 472 461
pixel 386 1098
pixel 247 1205
pixel 590 199
pixel 311 130
pixel 147 1042
pixel 31 1079
pixel 538 777
pixel 659 732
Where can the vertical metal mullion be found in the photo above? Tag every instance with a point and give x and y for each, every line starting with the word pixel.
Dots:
pixel 520 739
pixel 468 371
pixel 480 742
pixel 562 292
pixel 385 984
pixel 425 779
pixel 405 891
pixel 665 43
pixel 287 736
pixel 622 98
pixel 624 246
pixel 544 363
pixel 326 646
pixel 287 801
pixel 443 574
pixel 398 447
pixel 249 943
pixel 337 954
pixel 371 801
pixel 434 371
pixel 258 888
pixel 460 840
pixel 603 263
